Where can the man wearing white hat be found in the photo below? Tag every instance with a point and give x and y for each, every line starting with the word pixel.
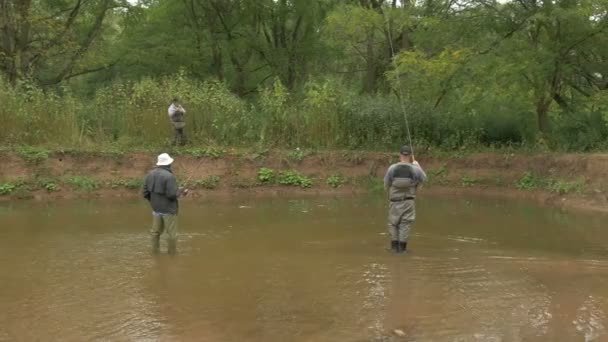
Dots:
pixel 161 190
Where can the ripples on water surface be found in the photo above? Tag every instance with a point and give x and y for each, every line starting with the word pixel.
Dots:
pixel 302 270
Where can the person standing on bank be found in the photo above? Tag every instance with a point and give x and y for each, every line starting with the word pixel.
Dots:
pixel 176 115
pixel 401 181
pixel 161 190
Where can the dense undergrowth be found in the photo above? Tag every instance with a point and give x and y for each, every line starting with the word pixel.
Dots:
pixel 324 115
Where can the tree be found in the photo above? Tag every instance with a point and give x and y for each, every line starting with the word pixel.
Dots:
pixel 44 41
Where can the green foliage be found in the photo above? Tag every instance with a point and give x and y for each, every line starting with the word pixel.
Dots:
pixel 294 179
pixel 353 157
pixel 33 155
pixel 529 181
pixel 210 152
pixel 243 183
pixel 266 175
pixel 261 154
pixel 467 181
pixel 7 188
pixel 375 184
pixel 565 187
pixel 306 73
pixel 336 181
pixel 49 185
pixel 438 175
pixel 210 182
pixel 82 182
pixel 133 183
pixel 298 154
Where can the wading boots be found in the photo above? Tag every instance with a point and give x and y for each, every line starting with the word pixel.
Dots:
pixel 394 246
pixel 402 247
pixel 155 244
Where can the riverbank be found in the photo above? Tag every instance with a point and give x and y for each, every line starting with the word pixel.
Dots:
pixel 563 180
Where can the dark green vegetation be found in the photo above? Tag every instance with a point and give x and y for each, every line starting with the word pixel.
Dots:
pixel 304 73
pixel 289 177
pixel 28 176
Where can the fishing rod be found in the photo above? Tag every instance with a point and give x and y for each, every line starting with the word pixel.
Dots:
pixel 399 85
pixel 190 174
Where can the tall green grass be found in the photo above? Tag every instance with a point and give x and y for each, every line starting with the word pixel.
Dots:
pixel 324 114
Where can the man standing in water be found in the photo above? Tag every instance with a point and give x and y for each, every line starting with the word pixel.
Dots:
pixel 401 181
pixel 160 189
pixel 176 115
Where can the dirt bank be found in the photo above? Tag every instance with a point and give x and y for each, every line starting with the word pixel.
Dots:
pixel 569 181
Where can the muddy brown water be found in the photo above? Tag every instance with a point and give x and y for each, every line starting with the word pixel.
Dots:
pixel 303 270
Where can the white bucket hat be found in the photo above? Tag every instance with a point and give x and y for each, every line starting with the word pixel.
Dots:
pixel 164 160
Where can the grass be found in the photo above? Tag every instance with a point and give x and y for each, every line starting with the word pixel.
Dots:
pixel 290 177
pixel 33 155
pixel 530 181
pixel 353 157
pixel 50 185
pixel 7 188
pixel 438 176
pixel 199 152
pixel 467 181
pixel 336 181
pixel 260 154
pixel 293 178
pixel 266 175
pixel 132 183
pixel 298 154
pixel 82 182
pixel 210 182
pixel 243 183
pixel 374 184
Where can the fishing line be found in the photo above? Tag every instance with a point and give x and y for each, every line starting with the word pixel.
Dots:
pixel 399 85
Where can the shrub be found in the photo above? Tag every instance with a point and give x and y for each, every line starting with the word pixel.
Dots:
pixel 336 181
pixel 33 155
pixel 266 175
pixel 294 179
pixel 7 188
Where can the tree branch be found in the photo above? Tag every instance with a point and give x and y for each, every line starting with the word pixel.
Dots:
pixel 93 32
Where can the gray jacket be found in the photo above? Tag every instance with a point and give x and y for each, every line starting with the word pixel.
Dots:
pixel 402 180
pixel 160 189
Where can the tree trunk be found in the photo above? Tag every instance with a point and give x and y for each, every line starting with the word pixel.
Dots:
pixel 217 64
pixel 239 84
pixel 371 75
pixel 542 114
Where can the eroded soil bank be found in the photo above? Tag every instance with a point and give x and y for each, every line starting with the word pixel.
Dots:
pixel 569 181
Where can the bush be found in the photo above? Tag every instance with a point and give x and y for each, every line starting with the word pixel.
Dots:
pixel 266 175
pixel 33 155
pixel 531 182
pixel 582 131
pixel 7 188
pixel 325 113
pixel 294 179
pixel 48 185
pixel 336 181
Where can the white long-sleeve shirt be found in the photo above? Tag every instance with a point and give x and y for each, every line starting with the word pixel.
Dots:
pixel 173 108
